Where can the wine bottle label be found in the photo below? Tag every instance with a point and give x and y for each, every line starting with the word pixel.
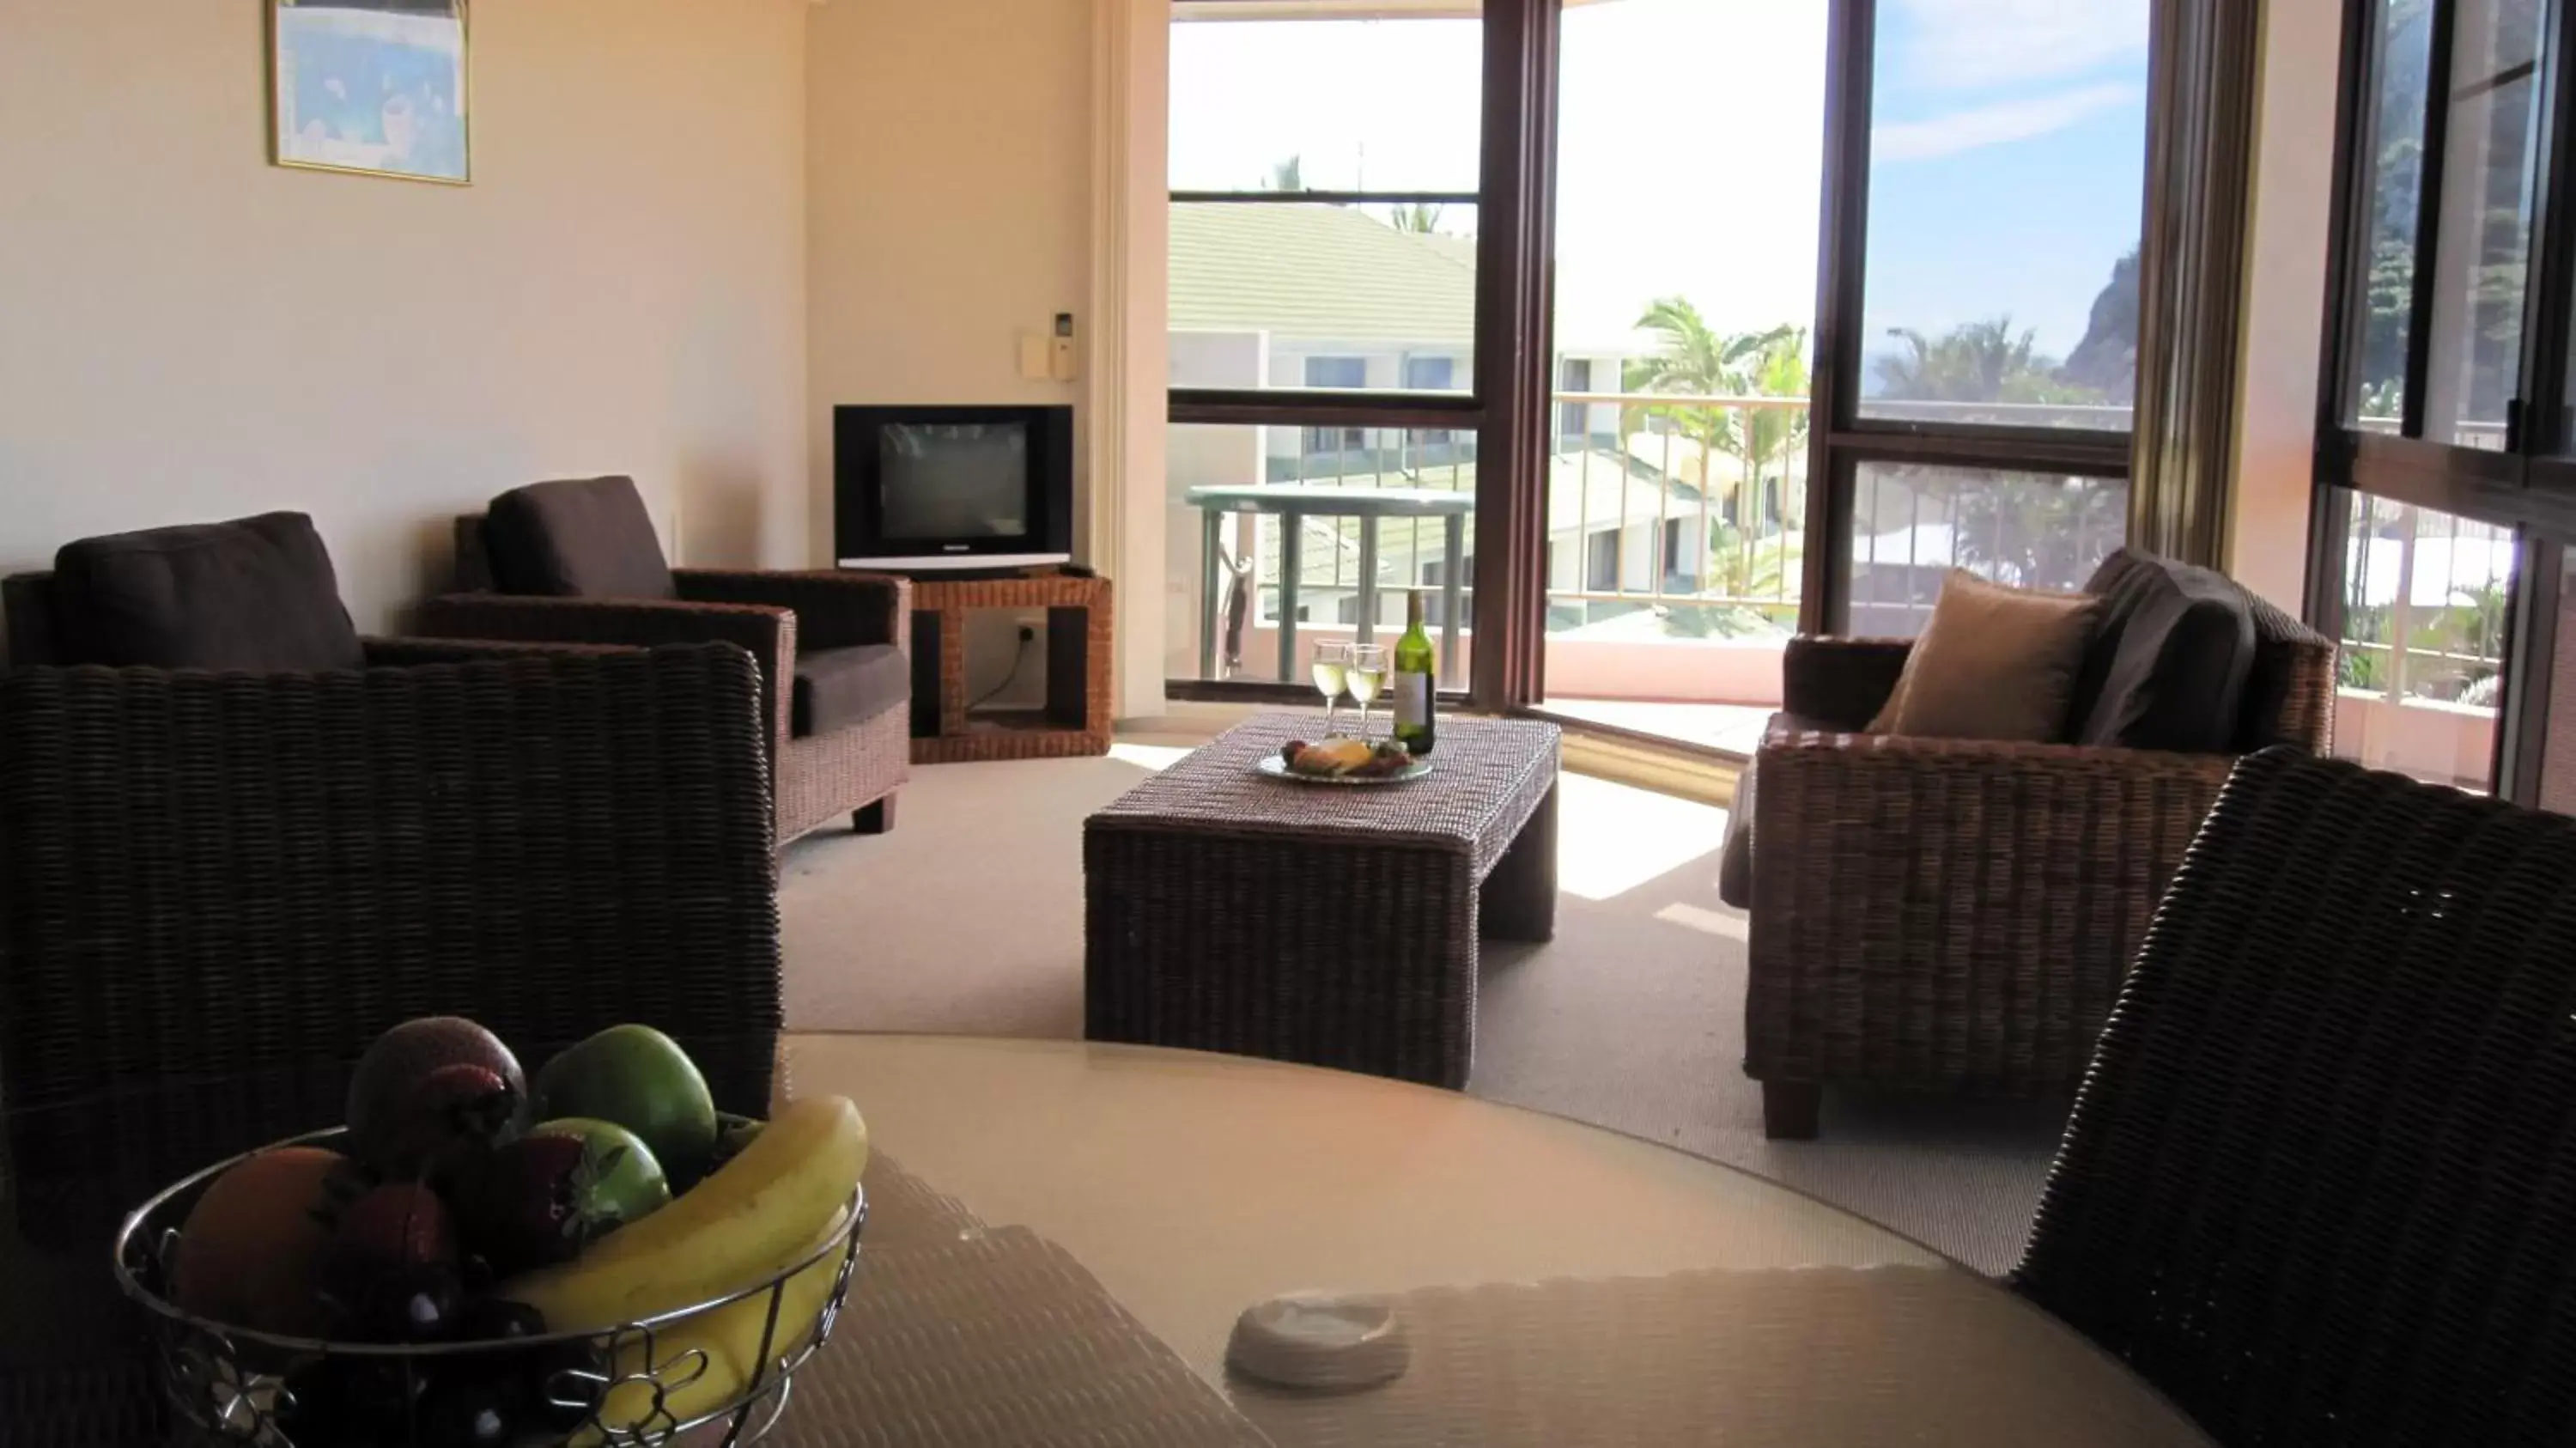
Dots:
pixel 1412 700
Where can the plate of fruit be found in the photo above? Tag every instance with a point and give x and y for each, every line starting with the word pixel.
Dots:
pixel 1340 760
pixel 481 1260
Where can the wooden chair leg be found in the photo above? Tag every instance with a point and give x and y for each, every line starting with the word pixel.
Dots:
pixel 1789 1110
pixel 875 819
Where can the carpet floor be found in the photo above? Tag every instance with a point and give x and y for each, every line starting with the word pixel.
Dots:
pixel 968 919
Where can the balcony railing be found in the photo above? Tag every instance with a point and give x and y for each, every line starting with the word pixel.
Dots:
pixel 1695 503
pixel 1672 518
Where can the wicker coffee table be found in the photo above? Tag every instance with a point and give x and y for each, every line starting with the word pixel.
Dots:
pixel 1329 925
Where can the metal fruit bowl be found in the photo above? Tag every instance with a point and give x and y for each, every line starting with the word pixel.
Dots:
pixel 239 1385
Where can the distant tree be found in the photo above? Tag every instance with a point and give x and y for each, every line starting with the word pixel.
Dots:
pixel 1973 362
pixel 1421 216
pixel 1288 175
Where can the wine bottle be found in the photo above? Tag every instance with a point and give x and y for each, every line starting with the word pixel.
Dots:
pixel 1417 675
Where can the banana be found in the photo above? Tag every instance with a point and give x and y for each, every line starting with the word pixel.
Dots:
pixel 727 1340
pixel 714 1238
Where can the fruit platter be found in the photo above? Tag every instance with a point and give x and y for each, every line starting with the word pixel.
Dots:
pixel 1340 760
pixel 477 1260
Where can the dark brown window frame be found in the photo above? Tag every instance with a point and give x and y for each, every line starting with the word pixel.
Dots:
pixel 2529 486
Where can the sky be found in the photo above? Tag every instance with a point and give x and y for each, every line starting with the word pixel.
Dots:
pixel 2008 139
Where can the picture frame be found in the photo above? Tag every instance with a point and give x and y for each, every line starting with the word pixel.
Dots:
pixel 372 88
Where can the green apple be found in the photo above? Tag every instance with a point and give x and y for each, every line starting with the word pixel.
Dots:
pixel 639 1079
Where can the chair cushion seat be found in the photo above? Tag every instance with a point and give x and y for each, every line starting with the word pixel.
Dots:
pixel 256 595
pixel 580 538
pixel 838 688
pixel 2170 667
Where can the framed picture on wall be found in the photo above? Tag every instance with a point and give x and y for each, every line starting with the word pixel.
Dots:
pixel 374 87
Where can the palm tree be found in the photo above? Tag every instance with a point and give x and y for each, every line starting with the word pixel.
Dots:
pixel 1422 217
pixel 1973 362
pixel 1695 358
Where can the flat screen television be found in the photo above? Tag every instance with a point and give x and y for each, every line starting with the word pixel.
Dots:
pixel 924 488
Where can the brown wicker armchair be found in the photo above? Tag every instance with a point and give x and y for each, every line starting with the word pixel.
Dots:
pixel 216 887
pixel 1957 915
pixel 578 561
pixel 2321 1180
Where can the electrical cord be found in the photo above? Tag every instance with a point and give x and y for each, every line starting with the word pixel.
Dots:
pixel 1008 679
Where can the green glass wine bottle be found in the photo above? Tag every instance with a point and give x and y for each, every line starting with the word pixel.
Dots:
pixel 1417 678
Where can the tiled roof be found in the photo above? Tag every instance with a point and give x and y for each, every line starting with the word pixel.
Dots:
pixel 1329 273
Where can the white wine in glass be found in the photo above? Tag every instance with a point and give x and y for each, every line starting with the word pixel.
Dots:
pixel 1332 665
pixel 1364 676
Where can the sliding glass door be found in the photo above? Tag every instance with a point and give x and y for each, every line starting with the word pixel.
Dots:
pixel 2445 489
pixel 1689 168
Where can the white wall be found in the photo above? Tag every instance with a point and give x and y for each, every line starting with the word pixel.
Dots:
pixel 2285 298
pixel 193 334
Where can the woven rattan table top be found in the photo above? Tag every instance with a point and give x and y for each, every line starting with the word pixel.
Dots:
pixel 1487 775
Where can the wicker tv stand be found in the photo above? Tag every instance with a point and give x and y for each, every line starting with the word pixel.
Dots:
pixel 1075 718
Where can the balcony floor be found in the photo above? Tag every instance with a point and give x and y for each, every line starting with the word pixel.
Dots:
pixel 1735 728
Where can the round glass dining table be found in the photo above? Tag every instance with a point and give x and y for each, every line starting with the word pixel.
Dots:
pixel 1061 1237
pixel 1557 1284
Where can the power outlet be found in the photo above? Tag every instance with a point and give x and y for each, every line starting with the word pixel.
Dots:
pixel 1028 633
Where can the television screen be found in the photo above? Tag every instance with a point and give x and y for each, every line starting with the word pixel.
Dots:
pixel 945 481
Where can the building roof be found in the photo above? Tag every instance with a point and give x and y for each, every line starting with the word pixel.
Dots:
pixel 1330 273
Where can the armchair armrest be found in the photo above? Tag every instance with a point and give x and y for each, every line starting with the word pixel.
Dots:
pixel 1839 681
pixel 768 634
pixel 834 609
pixel 1954 911
pixel 404 653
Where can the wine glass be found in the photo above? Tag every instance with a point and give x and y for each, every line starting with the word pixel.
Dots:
pixel 1332 665
pixel 1364 675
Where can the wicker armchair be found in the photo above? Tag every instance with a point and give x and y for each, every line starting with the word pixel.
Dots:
pixel 243 878
pixel 577 561
pixel 1956 915
pixel 2321 1180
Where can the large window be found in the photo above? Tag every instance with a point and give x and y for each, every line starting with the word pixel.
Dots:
pixel 2445 500
pixel 1325 178
pixel 2007 156
pixel 1982 301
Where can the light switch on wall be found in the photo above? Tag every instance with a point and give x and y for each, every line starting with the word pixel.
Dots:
pixel 1065 370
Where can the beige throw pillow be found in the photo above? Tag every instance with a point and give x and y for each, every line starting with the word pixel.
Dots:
pixel 1994 663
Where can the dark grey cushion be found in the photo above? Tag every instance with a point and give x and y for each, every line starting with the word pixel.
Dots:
pixel 581 538
pixel 2169 669
pixel 256 595
pixel 838 688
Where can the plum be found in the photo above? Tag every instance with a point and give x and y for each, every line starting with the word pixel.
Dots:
pixel 430 1094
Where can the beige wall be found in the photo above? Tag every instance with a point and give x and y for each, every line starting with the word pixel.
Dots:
pixel 2285 297
pixel 950 212
pixel 188 333
pixel 949 168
